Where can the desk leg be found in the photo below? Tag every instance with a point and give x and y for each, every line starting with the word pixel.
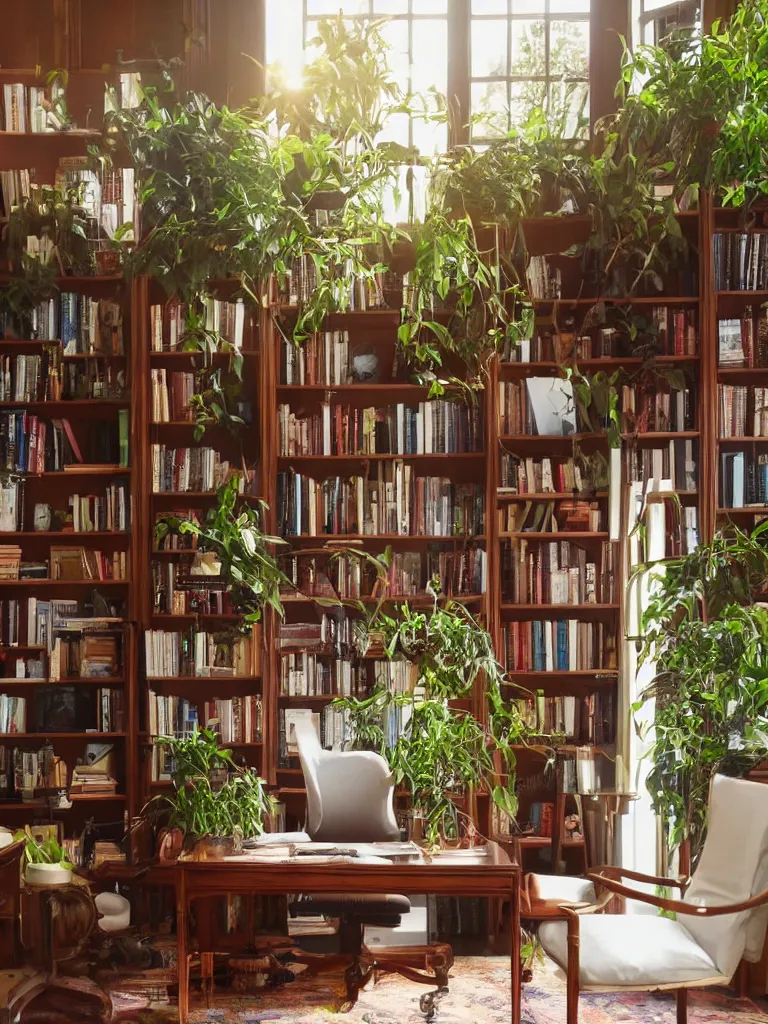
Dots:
pixel 514 924
pixel 182 953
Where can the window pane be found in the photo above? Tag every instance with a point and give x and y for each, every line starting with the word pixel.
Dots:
pixel 390 6
pixel 489 48
pixel 490 100
pixel 430 61
pixel 429 137
pixel 569 107
pixel 529 6
pixel 523 97
pixel 569 49
pixel 528 48
pixel 489 6
pixel 395 130
pixel 284 39
pixel 396 34
pixel 571 6
pixel 429 7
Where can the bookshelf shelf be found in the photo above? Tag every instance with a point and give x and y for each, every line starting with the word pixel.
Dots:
pixel 648 436
pixel 513 368
pixel 332 540
pixel 555 610
pixel 638 300
pixel 11 806
pixel 388 389
pixel 417 600
pixel 64 535
pixel 42 736
pixel 79 405
pixel 330 460
pixel 103 681
pixel 741 372
pixel 505 496
pixel 553 535
pixel 747 510
pixel 46 583
pixel 745 439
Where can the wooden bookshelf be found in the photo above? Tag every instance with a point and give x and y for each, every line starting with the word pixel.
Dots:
pixel 164 371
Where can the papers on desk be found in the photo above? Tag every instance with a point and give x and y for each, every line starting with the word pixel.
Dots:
pixel 277 838
pixel 304 851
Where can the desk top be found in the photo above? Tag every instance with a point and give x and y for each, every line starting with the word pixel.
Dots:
pixel 485 870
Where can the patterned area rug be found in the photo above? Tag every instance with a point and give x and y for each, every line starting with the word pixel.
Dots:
pixel 479 994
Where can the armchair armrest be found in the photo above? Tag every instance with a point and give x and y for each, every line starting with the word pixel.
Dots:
pixel 602 878
pixel 610 871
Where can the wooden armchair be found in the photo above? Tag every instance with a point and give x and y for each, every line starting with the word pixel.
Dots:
pixel 721 915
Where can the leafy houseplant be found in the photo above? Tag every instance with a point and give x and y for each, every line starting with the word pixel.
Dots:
pixel 232 531
pixel 708 640
pixel 45 859
pixel 200 807
pixel 442 749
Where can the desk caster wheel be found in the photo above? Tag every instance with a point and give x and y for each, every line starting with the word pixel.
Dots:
pixel 429 1003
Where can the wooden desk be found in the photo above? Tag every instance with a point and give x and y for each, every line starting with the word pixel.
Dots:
pixel 492 873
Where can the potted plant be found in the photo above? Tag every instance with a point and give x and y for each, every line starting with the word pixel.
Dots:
pixel 232 532
pixel 212 797
pixel 443 751
pixel 45 861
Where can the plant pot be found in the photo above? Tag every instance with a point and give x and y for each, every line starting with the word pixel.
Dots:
pixel 47 874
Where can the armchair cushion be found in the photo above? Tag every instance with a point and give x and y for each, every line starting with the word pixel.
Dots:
pixel 560 889
pixel 636 951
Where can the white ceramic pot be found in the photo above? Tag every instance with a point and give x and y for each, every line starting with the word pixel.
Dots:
pixel 47 874
pixel 116 911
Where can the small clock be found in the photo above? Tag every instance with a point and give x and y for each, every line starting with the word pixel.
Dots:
pixel 43 517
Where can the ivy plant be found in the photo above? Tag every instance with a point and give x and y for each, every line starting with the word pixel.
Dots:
pixel 707 639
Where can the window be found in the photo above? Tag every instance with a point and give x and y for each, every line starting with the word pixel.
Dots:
pixel 416 30
pixel 656 19
pixel 523 53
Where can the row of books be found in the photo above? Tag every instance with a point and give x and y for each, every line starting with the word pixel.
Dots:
pixel 173 596
pixel 172 392
pixel 584 719
pixel 555 517
pixel 30 444
pixel 743 479
pixel 179 541
pixel 332 633
pixel 741 260
pixel 394 501
pixel 81 324
pixel 743 342
pixel 85 654
pixel 560 572
pixel 48 378
pixel 304 674
pixel 110 710
pixel 537 476
pixel 331 725
pixel 13 714
pixel 649 408
pixel 47 620
pixel 16 188
pixel 86 513
pixel 742 410
pixel 28 108
pixel 559 645
pixel 677 462
pixel 674 328
pixel 324 358
pixel 197 653
pixel 188 470
pixel 362 293
pixel 407 574
pixel 169 323
pixel 236 719
pixel 81 563
pixel 538 405
pixel 544 280
pixel 440 427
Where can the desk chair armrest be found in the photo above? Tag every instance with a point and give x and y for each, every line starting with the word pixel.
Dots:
pixel 676 906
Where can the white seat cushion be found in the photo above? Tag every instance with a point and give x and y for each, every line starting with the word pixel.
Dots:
pixel 566 888
pixel 637 951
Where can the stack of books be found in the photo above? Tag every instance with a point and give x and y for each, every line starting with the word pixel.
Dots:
pixel 10 561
